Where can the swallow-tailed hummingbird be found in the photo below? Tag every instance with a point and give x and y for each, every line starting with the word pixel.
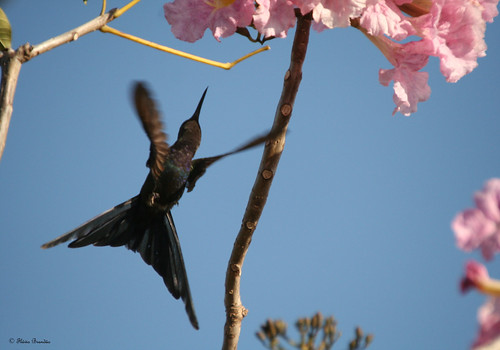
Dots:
pixel 144 223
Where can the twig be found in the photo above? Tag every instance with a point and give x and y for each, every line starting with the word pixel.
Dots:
pixel 235 311
pixel 10 73
pixel 11 66
pixel 227 65
pixel 27 52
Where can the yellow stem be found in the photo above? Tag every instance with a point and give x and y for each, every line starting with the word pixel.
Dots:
pixel 490 287
pixel 265 48
pixel 125 8
pixel 228 65
pixel 103 10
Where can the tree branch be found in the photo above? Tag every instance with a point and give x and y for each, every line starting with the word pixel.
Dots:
pixel 235 311
pixel 72 35
pixel 27 52
pixel 10 73
pixel 11 66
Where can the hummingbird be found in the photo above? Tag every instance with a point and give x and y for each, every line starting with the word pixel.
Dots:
pixel 144 223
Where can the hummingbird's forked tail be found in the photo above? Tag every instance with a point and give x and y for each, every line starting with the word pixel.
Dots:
pixel 152 234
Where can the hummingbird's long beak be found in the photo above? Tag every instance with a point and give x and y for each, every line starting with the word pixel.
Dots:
pixel 196 114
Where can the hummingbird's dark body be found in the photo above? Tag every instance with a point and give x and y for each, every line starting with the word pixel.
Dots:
pixel 144 223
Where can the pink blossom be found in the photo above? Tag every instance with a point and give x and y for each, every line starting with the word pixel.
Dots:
pixel 454 32
pixel 410 85
pixel 489 323
pixel 336 13
pixel 489 9
pixel 385 18
pixel 190 18
pixel 472 230
pixel 488 200
pixel 274 17
pixel 476 276
pixel 479 228
pixel 306 6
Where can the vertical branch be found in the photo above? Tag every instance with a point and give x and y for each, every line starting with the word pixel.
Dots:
pixel 235 311
pixel 10 72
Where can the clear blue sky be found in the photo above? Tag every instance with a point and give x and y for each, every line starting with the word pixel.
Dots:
pixel 357 223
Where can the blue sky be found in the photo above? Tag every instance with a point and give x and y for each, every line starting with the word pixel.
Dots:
pixel 357 223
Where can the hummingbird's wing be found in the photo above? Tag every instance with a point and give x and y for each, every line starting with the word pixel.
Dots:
pixel 153 126
pixel 200 165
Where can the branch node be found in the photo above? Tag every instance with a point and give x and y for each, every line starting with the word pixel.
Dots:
pixel 236 269
pixel 251 225
pixel 236 314
pixel 7 53
pixel 24 52
pixel 287 74
pixel 267 174
pixel 244 311
pixel 286 110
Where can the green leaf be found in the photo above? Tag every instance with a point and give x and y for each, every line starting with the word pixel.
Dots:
pixel 5 31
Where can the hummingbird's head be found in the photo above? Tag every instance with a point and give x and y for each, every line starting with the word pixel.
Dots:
pixel 190 130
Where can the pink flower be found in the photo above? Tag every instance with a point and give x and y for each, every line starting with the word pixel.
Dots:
pixel 382 19
pixel 476 276
pixel 489 323
pixel 453 31
pixel 328 14
pixel 274 17
pixel 306 6
pixel 489 9
pixel 385 18
pixel 488 200
pixel 190 18
pixel 480 227
pixel 410 85
pixel 473 230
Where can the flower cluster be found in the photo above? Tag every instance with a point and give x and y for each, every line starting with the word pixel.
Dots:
pixel 479 228
pixel 476 276
pixel 452 30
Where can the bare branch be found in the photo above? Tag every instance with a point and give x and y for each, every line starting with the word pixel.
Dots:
pixel 235 311
pixel 71 35
pixel 27 52
pixel 11 66
pixel 10 72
